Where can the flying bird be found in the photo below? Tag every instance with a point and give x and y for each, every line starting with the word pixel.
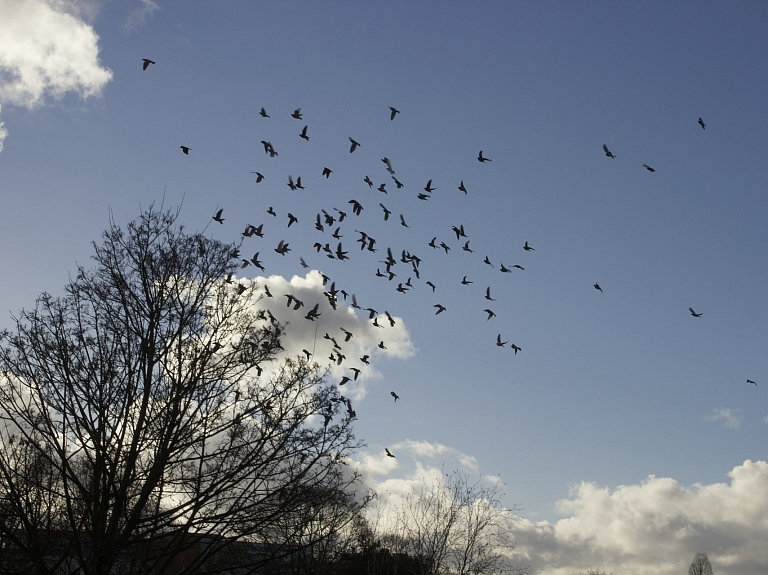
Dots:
pixel 389 165
pixel 488 294
pixel 490 313
pixel 528 248
pixel 513 346
pixel 393 394
pixel 597 287
pixel 393 113
pixel 482 159
pixel 752 382
pixel 353 146
pixel 282 248
pixel 304 134
pixel 702 124
pixel 368 181
pixel 327 173
pixel 402 221
pixel 259 177
pixel 147 62
pixel 649 168
pixel 500 343
pixel 217 217
pixel 608 152
pixel 185 149
pixel 386 212
pixel 465 281
pixel 296 114
pixel 440 309
pixel 428 188
pixel 462 188
pixel 388 453
pixel 263 113
pixel 430 284
pixel 693 313
pixel 292 219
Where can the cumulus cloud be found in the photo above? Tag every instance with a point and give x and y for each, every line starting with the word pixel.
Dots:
pixel 730 417
pixel 655 526
pixel 46 51
pixel 325 337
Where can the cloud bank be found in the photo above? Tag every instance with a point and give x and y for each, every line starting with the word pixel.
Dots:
pixel 46 51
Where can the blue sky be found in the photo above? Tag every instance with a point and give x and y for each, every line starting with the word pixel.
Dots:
pixel 609 388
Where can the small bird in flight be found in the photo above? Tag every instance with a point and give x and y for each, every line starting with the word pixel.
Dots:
pixel 185 149
pixel 259 177
pixel 500 343
pixel 462 188
pixel 649 168
pixel 393 394
pixel 388 453
pixel 327 173
pixel 440 309
pixel 217 217
pixel 482 159
pixel 608 152
pixel 296 114
pixel 528 248
pixel 752 382
pixel 490 313
pixel 304 134
pixel 693 313
pixel 353 146
pixel 147 62
pixel 702 124
pixel 263 113
pixel 597 287
pixel 394 113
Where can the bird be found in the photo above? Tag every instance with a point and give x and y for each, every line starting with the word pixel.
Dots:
pixel 307 353
pixel 269 149
pixel 388 453
pixel 393 113
pixel 752 382
pixel 271 211
pixel 356 207
pixel 327 173
pixel 255 261
pixel 597 287
pixel 402 221
pixel 344 380
pixel 303 263
pixel 185 149
pixel 702 124
pixel 440 308
pixel 466 247
pixel 462 188
pixel 356 371
pixel 693 313
pixel 292 219
pixel 217 217
pixel 263 113
pixel 296 114
pixel 259 177
pixel 482 159
pixel 608 152
pixel 386 212
pixel 649 168
pixel 381 345
pixel 487 261
pixel 500 343
pixel 353 146
pixel 282 248
pixel 430 284
pixel 147 62
pixel 513 346
pixel 389 165
pixel 398 183
pixel 393 394
pixel 303 134
pixel 465 281
pixel 488 294
pixel 528 248
pixel 390 318
pixel 290 183
pixel 382 188
pixel 490 313
pixel 364 359
pixel 504 269
pixel 368 181
pixel 428 188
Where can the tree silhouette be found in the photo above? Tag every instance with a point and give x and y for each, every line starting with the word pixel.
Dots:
pixel 700 565
pixel 137 432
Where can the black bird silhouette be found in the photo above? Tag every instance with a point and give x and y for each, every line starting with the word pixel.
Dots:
pixel 365 359
pixel 269 149
pixel 462 188
pixel 440 308
pixel 398 183
pixel 465 281
pixel 381 345
pixel 382 188
pixel 308 354
pixel 327 173
pixel 424 197
pixel 353 146
pixel 466 247
pixel 649 168
pixel 693 313
pixel 263 113
pixel 342 215
pixel 386 212
pixel 319 225
pixel 347 334
pixel 344 380
pixel 487 261
pixel 313 313
pixel 528 248
pixel 292 219
pixel 217 217
pixel 402 221
pixel 500 343
pixel 185 149
pixel 597 287
pixel 296 114
pixel 303 263
pixel 282 248
pixel 490 313
pixel 388 453
pixel 430 284
pixel 702 124
pixel 389 317
pixel 432 244
pixel 356 207
pixel 513 346
pixel 290 183
pixel 255 261
pixel 393 113
pixel 393 394
pixel 608 152
pixel 259 177
pixel 368 181
pixel 304 134
pixel 752 382
pixel 445 246
pixel 271 211
pixel 488 294
pixel 481 159
pixel 356 371
pixel 504 269
pixel 298 183
pixel 389 165
pixel 428 188
pixel 147 62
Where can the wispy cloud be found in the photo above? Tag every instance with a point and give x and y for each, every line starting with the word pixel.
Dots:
pixel 730 417
pixel 46 51
pixel 139 15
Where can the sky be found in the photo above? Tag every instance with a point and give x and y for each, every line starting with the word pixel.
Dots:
pixel 624 429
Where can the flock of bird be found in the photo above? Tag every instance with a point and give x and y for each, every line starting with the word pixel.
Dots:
pixel 333 218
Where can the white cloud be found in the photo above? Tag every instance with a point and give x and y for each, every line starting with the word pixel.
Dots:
pixel 730 417
pixel 656 526
pixel 3 133
pixel 303 334
pixel 140 14
pixel 47 50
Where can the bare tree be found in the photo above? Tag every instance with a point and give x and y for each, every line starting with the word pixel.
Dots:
pixel 454 526
pixel 700 565
pixel 137 432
